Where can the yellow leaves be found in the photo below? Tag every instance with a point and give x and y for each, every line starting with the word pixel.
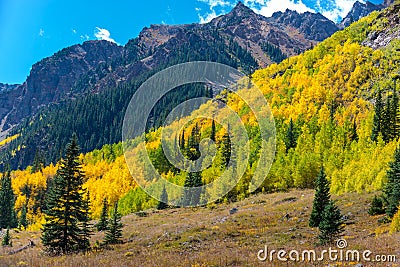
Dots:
pixel 395 225
pixel 112 182
pixel 8 140
pixel 323 114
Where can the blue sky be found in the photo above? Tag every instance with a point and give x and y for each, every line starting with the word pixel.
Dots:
pixel 31 30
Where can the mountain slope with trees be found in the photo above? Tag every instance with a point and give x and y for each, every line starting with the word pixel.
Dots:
pixel 325 104
pixel 90 84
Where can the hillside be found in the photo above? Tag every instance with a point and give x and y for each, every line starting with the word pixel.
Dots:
pixel 328 93
pixel 101 77
pixel 335 105
pixel 210 236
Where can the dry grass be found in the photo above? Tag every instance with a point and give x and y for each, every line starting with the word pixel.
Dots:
pixel 212 237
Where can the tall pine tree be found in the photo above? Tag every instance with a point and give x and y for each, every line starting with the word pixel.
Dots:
pixel 7 240
pixel 192 189
pixel 163 203
pixel 85 226
pixel 23 222
pixel 394 108
pixel 114 229
pixel 321 199
pixel 331 225
pixel 213 131
pixel 378 117
pixel 66 207
pixel 225 148
pixel 387 126
pixel 290 136
pixel 103 221
pixel 193 152
pixel 391 190
pixel 7 199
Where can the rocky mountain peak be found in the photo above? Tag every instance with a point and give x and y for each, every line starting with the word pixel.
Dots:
pixel 241 10
pixel 358 11
pixel 240 14
pixel 313 25
pixel 388 3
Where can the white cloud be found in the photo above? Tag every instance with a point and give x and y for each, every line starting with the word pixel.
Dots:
pixel 73 31
pixel 84 37
pixel 103 34
pixel 269 7
pixel 336 11
pixel 212 13
pixel 341 9
pixel 41 32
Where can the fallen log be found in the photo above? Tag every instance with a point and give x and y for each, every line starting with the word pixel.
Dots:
pixel 31 244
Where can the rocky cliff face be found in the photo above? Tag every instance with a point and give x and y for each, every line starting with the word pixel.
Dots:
pixel 55 78
pixel 390 30
pixel 96 65
pixel 7 87
pixel 388 3
pixel 312 26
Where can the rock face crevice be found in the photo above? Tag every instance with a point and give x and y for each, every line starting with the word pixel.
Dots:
pixel 390 31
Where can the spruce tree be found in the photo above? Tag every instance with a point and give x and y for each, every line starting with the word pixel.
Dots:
pixel 394 200
pixel 378 117
pixel 66 207
pixel 23 223
pixel 7 241
pixel 391 192
pixel 38 162
pixel 394 107
pixel 353 133
pixel 7 199
pixel 192 189
pixel 376 206
pixel 331 225
pixel 290 136
pixel 225 148
pixel 85 226
pixel 321 199
pixel 163 203
pixel 387 125
pixel 114 229
pixel 182 141
pixel 213 131
pixel 103 221
pixel 192 149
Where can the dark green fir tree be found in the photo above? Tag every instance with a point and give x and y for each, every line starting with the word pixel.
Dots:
pixel 331 225
pixel 391 191
pixel 8 217
pixel 103 221
pixel 163 203
pixel 378 117
pixel 7 240
pixel 393 200
pixel 321 199
pixel 353 132
pixel 377 206
pixel 85 226
pixel 290 137
pixel 114 229
pixel 213 131
pixel 66 207
pixel 225 148
pixel 192 189
pixel 23 222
